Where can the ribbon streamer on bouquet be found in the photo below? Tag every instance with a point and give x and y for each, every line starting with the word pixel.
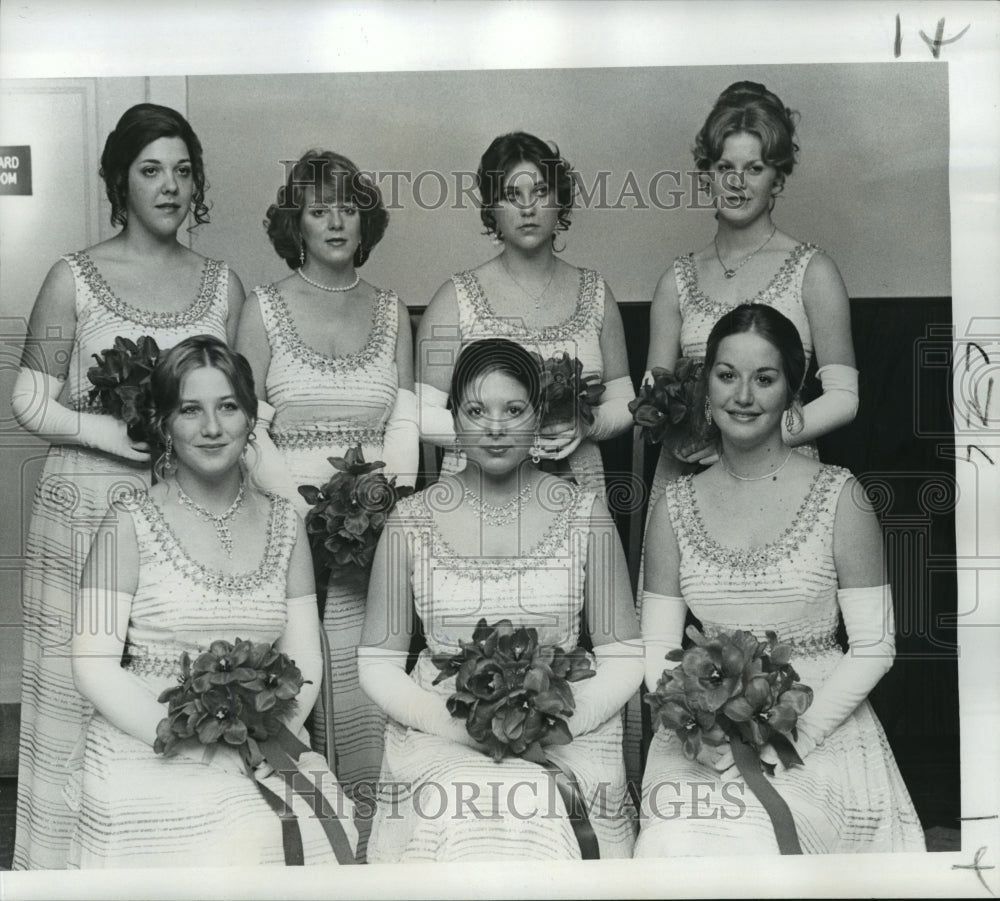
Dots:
pixel 748 762
pixel 281 752
pixel 576 809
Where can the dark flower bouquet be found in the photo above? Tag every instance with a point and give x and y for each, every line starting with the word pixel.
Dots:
pixel 668 409
pixel 349 512
pixel 513 693
pixel 121 382
pixel 568 395
pixel 735 687
pixel 238 693
pixel 732 686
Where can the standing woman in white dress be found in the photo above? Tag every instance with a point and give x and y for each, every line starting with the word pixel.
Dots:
pixel 332 358
pixel 526 293
pixel 769 539
pixel 745 151
pixel 143 281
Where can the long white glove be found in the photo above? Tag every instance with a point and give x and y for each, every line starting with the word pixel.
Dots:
pixel 270 473
pixel 382 674
pixel 836 407
pixel 300 641
pixel 435 422
pixel 401 448
pixel 119 695
pixel 662 624
pixel 870 624
pixel 34 405
pixel 619 672
pixel 611 415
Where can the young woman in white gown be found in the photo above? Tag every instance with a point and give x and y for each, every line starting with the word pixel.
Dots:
pixel 333 362
pixel 500 539
pixel 769 539
pixel 202 556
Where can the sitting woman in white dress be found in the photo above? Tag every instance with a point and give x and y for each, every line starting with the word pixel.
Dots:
pixel 767 539
pixel 203 556
pixel 498 540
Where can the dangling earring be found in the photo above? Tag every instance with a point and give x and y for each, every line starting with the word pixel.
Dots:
pixel 168 452
pixel 790 421
pixel 302 254
pixel 536 451
pixel 708 411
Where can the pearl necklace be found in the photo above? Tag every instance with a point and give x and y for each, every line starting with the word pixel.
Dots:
pixel 499 514
pixel 731 273
pixel 537 298
pixel 773 474
pixel 219 520
pixel 345 288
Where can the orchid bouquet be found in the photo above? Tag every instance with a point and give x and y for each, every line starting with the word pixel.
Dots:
pixel 732 687
pixel 668 409
pixel 349 512
pixel 513 693
pixel 568 394
pixel 241 694
pixel 237 693
pixel 121 382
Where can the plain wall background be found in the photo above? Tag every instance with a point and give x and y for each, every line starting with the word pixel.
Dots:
pixel 871 186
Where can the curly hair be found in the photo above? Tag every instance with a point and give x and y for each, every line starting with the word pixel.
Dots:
pixel 747 106
pixel 331 175
pixel 138 128
pixel 503 155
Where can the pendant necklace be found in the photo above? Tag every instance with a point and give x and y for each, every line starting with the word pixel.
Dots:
pixel 731 273
pixel 537 298
pixel 772 475
pixel 219 520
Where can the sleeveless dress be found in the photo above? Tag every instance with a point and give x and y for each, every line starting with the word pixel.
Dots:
pixel 699 313
pixel 73 493
pixel 442 801
pixel 848 796
pixel 141 809
pixel 365 381
pixel 579 336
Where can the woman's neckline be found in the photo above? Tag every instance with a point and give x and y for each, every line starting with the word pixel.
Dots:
pixel 789 260
pixel 482 299
pixel 285 311
pixel 797 522
pixel 134 312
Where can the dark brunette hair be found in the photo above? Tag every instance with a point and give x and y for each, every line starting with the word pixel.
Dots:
pixel 137 128
pixel 503 155
pixel 490 355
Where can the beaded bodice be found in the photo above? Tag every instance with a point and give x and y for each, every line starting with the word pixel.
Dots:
pixel 699 313
pixel 579 335
pixel 542 587
pixel 788 585
pixel 102 316
pixel 363 382
pixel 182 605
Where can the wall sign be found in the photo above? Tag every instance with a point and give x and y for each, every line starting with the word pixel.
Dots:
pixel 15 170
